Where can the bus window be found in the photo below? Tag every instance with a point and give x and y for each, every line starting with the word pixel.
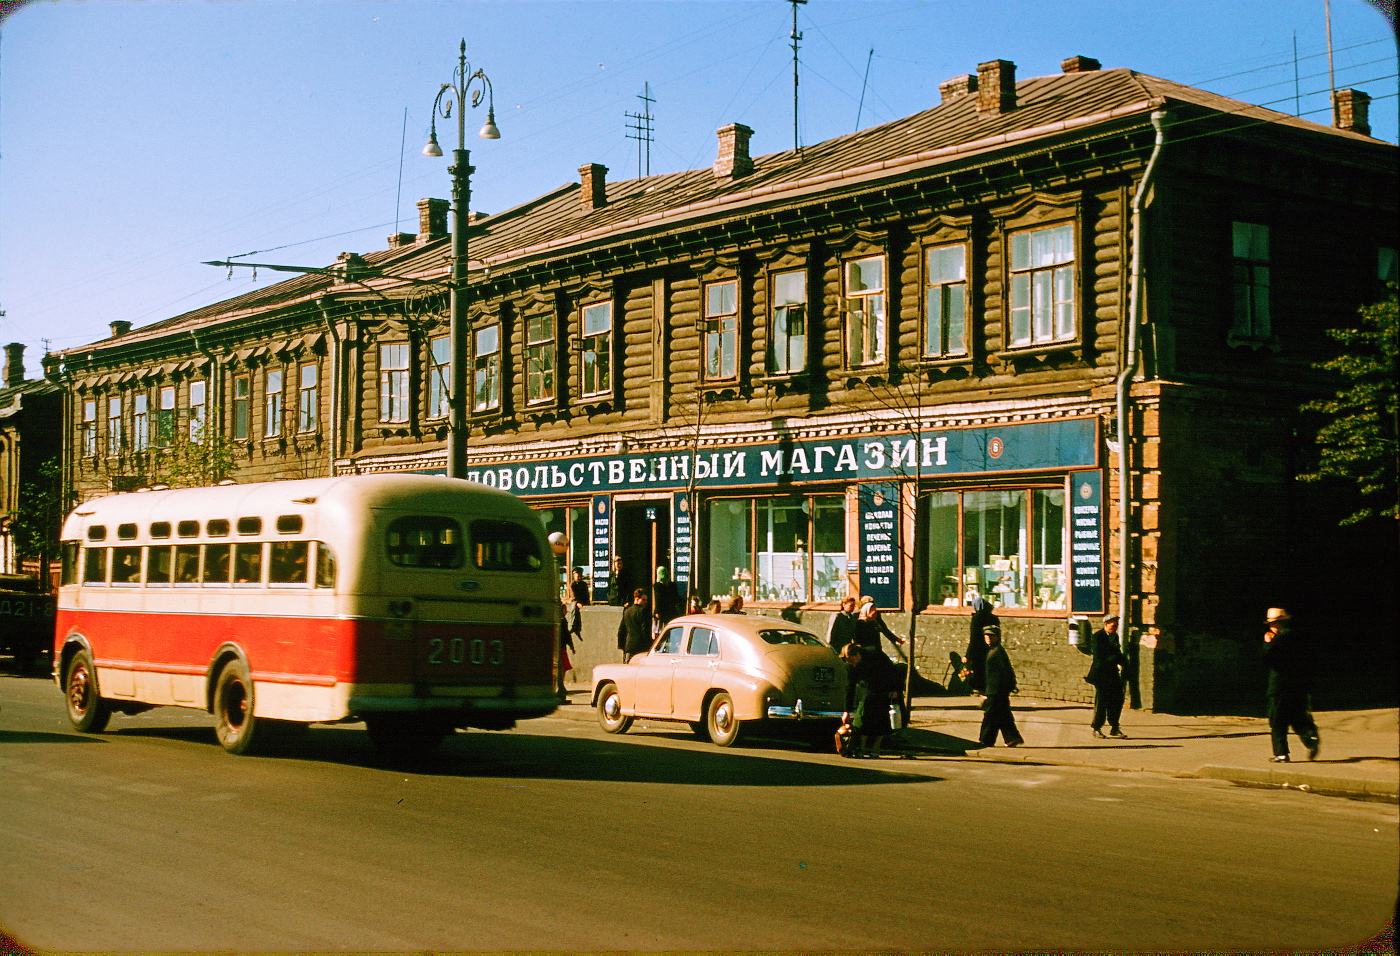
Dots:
pixel 504 546
pixel 247 564
pixel 95 566
pixel 216 563
pixel 97 532
pixel 70 562
pixel 160 529
pixel 126 565
pixel 250 526
pixel 158 566
pixel 288 562
pixel 187 564
pixel 425 542
pixel 216 528
pixel 127 531
pixel 187 529
pixel 325 566
pixel 289 524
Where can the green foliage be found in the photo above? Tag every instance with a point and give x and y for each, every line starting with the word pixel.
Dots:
pixel 1357 444
pixel 36 522
pixel 189 463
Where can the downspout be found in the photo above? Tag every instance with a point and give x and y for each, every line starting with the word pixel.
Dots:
pixel 324 303
pixel 1125 378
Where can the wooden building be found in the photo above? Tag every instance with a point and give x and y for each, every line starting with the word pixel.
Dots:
pixel 903 362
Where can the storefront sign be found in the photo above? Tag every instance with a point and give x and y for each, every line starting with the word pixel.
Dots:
pixel 680 545
pixel 1024 447
pixel 1086 541
pixel 879 542
pixel 601 512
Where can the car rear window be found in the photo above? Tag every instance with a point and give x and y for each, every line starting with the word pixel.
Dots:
pixel 774 635
pixel 504 546
pixel 425 541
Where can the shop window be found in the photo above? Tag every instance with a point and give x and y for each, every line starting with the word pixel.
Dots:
pixel 788 340
pixel 866 329
pixel 789 549
pixel 575 524
pixel 116 441
pixel 596 349
pixel 539 358
pixel 90 428
pixel 272 403
pixel 393 382
pixel 1250 251
pixel 1004 545
pixel 486 362
pixel 721 331
pixel 140 421
pixel 439 376
pixel 198 405
pixel 1042 286
pixel 242 407
pixel 945 301
pixel 165 416
pixel 307 403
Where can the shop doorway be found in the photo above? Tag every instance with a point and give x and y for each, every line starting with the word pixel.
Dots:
pixel 642 538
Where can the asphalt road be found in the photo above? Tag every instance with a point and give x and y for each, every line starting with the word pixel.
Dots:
pixel 559 837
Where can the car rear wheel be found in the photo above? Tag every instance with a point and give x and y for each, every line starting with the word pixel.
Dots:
pixel 720 721
pixel 87 711
pixel 610 715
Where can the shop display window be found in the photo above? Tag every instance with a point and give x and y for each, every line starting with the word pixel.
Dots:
pixel 789 549
pixel 1005 545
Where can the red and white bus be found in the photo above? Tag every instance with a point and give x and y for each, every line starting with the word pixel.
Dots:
pixel 417 604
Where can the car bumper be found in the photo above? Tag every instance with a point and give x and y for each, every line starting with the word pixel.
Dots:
pixel 799 712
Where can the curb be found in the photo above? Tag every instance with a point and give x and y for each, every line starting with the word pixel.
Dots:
pixel 1289 777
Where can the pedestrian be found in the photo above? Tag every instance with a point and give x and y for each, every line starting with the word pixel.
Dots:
pixel 871 685
pixel 620 585
pixel 714 607
pixel 736 605
pixel 975 657
pixel 634 630
pixel 870 627
pixel 1289 658
pixel 566 645
pixel 665 598
pixel 1000 685
pixel 693 605
pixel 578 588
pixel 842 628
pixel 1106 673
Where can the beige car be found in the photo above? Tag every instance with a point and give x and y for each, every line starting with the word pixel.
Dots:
pixel 718 672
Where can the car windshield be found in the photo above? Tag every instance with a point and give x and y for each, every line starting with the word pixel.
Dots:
pixel 775 635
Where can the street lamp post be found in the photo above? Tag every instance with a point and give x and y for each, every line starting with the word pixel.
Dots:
pixel 450 95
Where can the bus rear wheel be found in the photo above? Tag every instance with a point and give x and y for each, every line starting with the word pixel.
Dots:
pixel 233 708
pixel 406 735
pixel 87 710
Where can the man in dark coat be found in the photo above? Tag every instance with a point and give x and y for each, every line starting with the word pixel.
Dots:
pixel 842 629
pixel 634 630
pixel 1105 673
pixel 975 658
pixel 620 584
pixel 665 598
pixel 872 684
pixel 1289 659
pixel 1001 684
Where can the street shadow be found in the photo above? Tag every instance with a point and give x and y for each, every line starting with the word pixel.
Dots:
pixel 1355 759
pixel 1242 733
pixel 44 737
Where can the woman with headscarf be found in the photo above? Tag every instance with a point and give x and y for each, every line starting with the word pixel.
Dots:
pixel 974 672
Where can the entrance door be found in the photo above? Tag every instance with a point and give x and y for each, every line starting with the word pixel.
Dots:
pixel 642 538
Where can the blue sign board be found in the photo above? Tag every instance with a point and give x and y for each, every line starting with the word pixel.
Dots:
pixel 600 512
pixel 681 548
pixel 1085 500
pixel 879 542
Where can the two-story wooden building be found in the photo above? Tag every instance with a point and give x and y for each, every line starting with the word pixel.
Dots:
pixel 915 362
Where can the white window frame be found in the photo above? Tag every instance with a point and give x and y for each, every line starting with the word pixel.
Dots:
pixel 945 301
pixel 393 382
pixel 788 323
pixel 541 362
pixel 198 404
pixel 486 367
pixel 439 376
pixel 1044 300
pixel 89 428
pixel 140 421
pixel 867 318
pixel 115 438
pixel 308 397
pixel 595 356
pixel 274 381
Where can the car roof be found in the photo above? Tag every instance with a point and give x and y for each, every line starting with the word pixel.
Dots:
pixel 745 624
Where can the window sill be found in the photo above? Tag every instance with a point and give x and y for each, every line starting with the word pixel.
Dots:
pixel 594 404
pixel 720 391
pixel 867 375
pixel 1040 352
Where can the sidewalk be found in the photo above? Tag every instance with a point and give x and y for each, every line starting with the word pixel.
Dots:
pixel 1360 748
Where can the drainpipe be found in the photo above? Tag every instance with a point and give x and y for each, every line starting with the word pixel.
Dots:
pixel 324 303
pixel 1125 378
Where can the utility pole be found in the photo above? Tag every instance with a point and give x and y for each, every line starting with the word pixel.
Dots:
pixel 796 40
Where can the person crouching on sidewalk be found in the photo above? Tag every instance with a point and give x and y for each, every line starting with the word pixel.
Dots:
pixel 1001 684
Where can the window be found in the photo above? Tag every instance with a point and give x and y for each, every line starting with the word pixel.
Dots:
pixel 788 346
pixel 325 566
pixel 242 407
pixel 703 642
pixel 671 641
pixel 575 523
pixel 95 566
pixel 158 566
pixel 539 358
pixel 865 311
pixel 116 442
pixel 486 353
pixel 596 342
pixel 1250 248
pixel 424 542
pixel 789 549
pixel 187 564
pixel 288 564
pixel 504 546
pixel 439 376
pixel 216 563
pixel 247 563
pixel 945 301
pixel 272 403
pixel 90 428
pixel 140 421
pixel 308 408
pixel 982 545
pixel 126 565
pixel 197 408
pixel 165 416
pixel 1387 266
pixel 1042 286
pixel 393 382
pixel 721 343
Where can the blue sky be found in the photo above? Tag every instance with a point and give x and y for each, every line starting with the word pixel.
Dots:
pixel 139 138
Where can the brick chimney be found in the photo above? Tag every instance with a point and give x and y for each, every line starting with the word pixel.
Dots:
pixel 14 364
pixel 1352 109
pixel 733 161
pixel 957 86
pixel 996 87
pixel 119 327
pixel 432 219
pixel 594 178
pixel 1080 64
pixel 399 239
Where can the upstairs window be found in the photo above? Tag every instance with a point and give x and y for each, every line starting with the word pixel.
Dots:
pixel 539 358
pixel 90 428
pixel 945 301
pixel 393 382
pixel 140 421
pixel 866 329
pixel 439 376
pixel 721 330
pixel 115 440
pixel 486 350
pixel 788 341
pixel 1042 286
pixel 272 403
pixel 308 405
pixel 242 407
pixel 596 353
pixel 1250 251
pixel 165 416
pixel 197 408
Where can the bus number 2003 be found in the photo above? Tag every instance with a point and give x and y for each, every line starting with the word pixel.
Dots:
pixel 459 651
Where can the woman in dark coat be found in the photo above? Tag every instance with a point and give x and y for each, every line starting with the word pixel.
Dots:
pixel 871 683
pixel 975 657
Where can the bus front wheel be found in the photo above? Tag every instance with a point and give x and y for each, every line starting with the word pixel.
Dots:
pixel 233 708
pixel 87 710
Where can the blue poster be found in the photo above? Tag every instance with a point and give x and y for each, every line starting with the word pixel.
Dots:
pixel 1086 541
pixel 879 542
pixel 600 511
pixel 681 545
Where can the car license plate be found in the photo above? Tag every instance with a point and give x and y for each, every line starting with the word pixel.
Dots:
pixel 823 675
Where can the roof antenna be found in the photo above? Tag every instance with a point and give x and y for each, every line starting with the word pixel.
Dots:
pixel 863 84
pixel 643 129
pixel 1331 77
pixel 796 39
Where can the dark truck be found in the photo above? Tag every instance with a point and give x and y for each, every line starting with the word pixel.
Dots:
pixel 26 621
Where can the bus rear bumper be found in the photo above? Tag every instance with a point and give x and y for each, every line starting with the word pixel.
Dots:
pixel 488 712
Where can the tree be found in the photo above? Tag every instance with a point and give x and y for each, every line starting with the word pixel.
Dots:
pixel 36 522
pixel 187 462
pixel 1357 443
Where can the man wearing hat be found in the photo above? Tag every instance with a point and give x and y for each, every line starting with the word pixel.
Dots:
pixel 1105 673
pixel 1001 684
pixel 1290 662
